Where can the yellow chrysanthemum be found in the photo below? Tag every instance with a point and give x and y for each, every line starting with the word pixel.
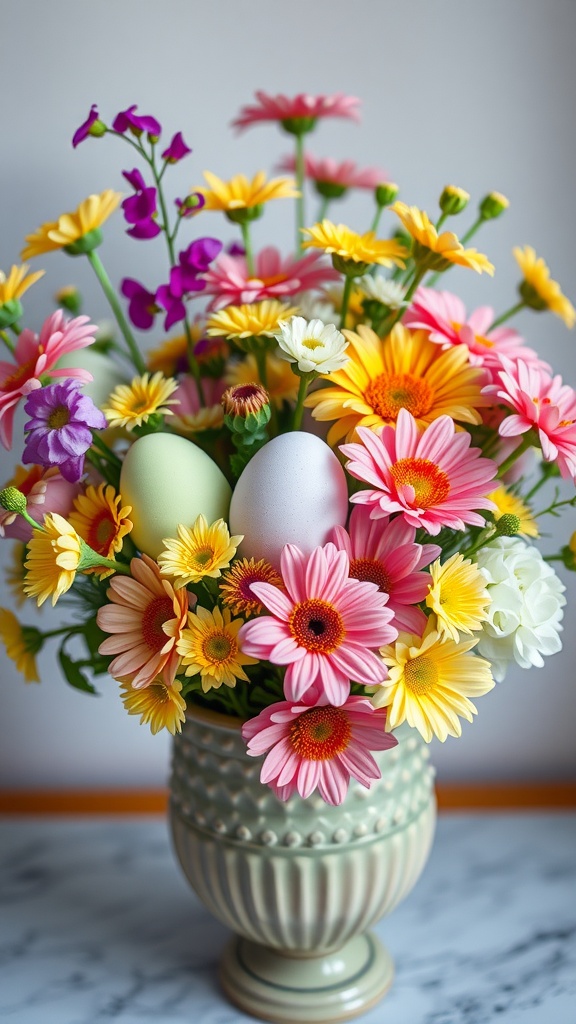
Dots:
pixel 17 282
pixel 508 504
pixel 159 706
pixel 241 194
pixel 199 552
pixel 130 405
pixel 281 383
pixel 339 240
pixel 538 290
pixel 430 681
pixel 403 371
pixel 438 252
pixel 98 518
pixel 14 573
pixel 209 647
pixel 235 586
pixel 255 320
pixel 71 227
pixel 458 596
pixel 54 555
pixel 18 648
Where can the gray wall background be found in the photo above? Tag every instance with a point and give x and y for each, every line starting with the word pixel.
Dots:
pixel 480 95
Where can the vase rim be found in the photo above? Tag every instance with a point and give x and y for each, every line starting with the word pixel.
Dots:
pixel 211 717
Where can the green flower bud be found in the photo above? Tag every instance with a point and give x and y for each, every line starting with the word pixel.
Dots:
pixel 508 525
pixel 97 129
pixel 10 313
pixel 453 200
pixel 493 205
pixel 386 193
pixel 69 298
pixel 13 500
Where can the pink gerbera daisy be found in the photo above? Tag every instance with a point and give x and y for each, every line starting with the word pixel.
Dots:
pixel 544 404
pixel 384 552
pixel 230 282
pixel 345 175
pixel 298 108
pixel 35 357
pixel 432 477
pixel 318 747
pixel 443 315
pixel 147 617
pixel 322 626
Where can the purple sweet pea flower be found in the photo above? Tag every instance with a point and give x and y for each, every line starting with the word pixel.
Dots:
pixel 184 278
pixel 140 209
pixel 83 131
pixel 142 305
pixel 177 150
pixel 235 249
pixel 191 205
pixel 59 432
pixel 135 179
pixel 128 120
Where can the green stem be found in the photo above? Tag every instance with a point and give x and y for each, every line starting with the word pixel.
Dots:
pixel 300 208
pixel 193 362
pixel 106 451
pixel 102 467
pixel 441 219
pixel 485 537
pixel 506 316
pixel 389 323
pixel 509 462
pixel 376 221
pixel 245 228
pixel 7 341
pixel 59 632
pixel 533 490
pixel 348 282
pixel 260 356
pixel 110 294
pixel 299 410
pixel 323 208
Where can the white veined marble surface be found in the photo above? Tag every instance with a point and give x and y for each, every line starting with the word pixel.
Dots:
pixel 97 924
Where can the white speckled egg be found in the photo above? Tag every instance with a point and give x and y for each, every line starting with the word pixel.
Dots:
pixel 169 480
pixel 293 491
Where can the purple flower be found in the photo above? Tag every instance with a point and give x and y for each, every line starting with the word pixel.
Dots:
pixel 128 120
pixel 176 150
pixel 83 131
pixel 184 278
pixel 235 249
pixel 140 209
pixel 142 306
pixel 59 432
pixel 135 179
pixel 191 205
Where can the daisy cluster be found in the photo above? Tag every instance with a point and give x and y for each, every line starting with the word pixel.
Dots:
pixel 313 506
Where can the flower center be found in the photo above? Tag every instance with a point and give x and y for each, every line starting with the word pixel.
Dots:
pixel 159 611
pixel 370 571
pixel 420 675
pixel 19 377
pixel 480 339
pixel 202 557
pixel 102 530
pixel 390 392
pixel 430 483
pixel 59 417
pixel 160 693
pixel 321 733
pixel 219 647
pixel 312 343
pixel 317 626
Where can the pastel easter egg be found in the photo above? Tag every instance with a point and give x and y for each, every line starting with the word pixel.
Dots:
pixel 293 491
pixel 169 480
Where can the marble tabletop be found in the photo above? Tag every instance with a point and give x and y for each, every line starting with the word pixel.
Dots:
pixel 97 924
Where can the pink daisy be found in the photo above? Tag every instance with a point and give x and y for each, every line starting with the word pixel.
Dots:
pixel 432 477
pixel 318 747
pixel 147 617
pixel 384 552
pixel 36 356
pixel 297 108
pixel 322 627
pixel 326 171
pixel 443 315
pixel 229 281
pixel 544 404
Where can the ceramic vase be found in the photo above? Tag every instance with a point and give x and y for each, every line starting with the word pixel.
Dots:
pixel 301 882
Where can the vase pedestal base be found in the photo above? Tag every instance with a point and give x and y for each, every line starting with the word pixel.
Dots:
pixel 306 989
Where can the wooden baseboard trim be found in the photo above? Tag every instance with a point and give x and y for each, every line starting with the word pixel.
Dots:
pixel 479 797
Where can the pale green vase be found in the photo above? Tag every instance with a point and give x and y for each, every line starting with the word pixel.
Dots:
pixel 298 882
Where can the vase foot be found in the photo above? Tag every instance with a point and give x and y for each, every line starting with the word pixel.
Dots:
pixel 306 989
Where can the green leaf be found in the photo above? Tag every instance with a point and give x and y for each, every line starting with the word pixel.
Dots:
pixel 74 676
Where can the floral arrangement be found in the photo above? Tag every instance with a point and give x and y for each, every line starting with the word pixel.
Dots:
pixel 315 505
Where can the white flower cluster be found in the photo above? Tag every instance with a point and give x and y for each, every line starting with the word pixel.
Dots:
pixel 527 596
pixel 313 345
pixel 389 293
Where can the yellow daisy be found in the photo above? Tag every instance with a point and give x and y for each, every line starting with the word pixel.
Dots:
pixel 458 596
pixel 281 383
pixel 438 252
pixel 159 706
pixel 20 648
pixel 71 227
pixel 15 572
pixel 235 586
pixel 430 681
pixel 209 647
pixel 17 282
pixel 538 290
pixel 508 504
pixel 199 552
pixel 97 516
pixel 403 371
pixel 339 240
pixel 130 405
pixel 256 320
pixel 241 194
pixel 54 555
